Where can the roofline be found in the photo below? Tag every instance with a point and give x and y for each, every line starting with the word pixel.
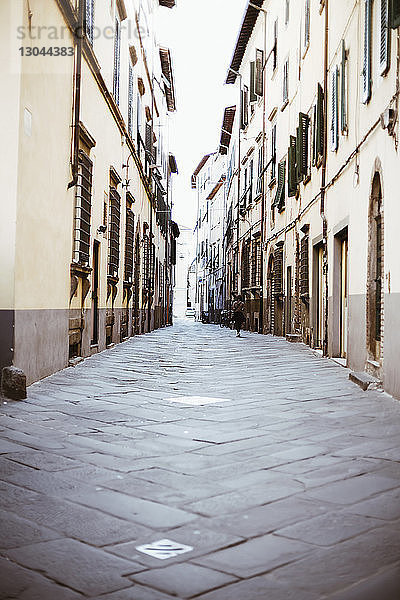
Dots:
pixel 167 71
pixel 248 22
pixel 199 168
pixel 227 128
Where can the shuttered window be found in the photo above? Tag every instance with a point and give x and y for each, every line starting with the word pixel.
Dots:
pixel 117 59
pixel 366 73
pixel 384 54
pixel 149 141
pixel 285 90
pixel 335 111
pixel 259 85
pixel 89 19
pixel 256 264
pixel 245 265
pixel 253 95
pixel 129 241
pixel 302 146
pixel 244 107
pixel 146 262
pixel 273 153
pixel 260 174
pixel 304 268
pixel 114 230
pixel 278 272
pixel 292 175
pixel 275 47
pixel 280 192
pixel 161 281
pixel 394 14
pixel 130 101
pixel 343 90
pixel 306 24
pixel 83 208
pixel 319 124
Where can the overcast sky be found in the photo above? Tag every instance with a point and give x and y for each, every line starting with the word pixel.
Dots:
pixel 202 37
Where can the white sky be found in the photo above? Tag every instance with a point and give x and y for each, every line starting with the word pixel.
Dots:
pixel 201 36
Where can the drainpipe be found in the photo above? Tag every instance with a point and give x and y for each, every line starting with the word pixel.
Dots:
pixel 323 184
pixel 261 317
pixel 78 39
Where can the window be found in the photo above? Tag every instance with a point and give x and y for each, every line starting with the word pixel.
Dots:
pixel 280 192
pixel 285 90
pixel 114 229
pixel 292 174
pixel 335 111
pixel 302 146
pixel 366 74
pixel 251 175
pixel 83 208
pixel 255 264
pixel 287 11
pixel 275 47
pixel 244 107
pixel 259 84
pixel 260 175
pixel 161 280
pixel 343 90
pixel 117 59
pixel 146 262
pixel 129 241
pixel 304 268
pixel 384 54
pixel 130 101
pixel 246 265
pixel 253 95
pixel 394 14
pixel 278 271
pixel 306 24
pixel 318 133
pixel 89 20
pixel 273 153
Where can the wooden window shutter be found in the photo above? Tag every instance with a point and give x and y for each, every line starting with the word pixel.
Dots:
pixel 278 272
pixel 384 54
pixel 314 140
pixel 302 161
pixel 292 175
pixel 367 82
pixel 335 112
pixel 298 152
pixel 253 96
pixel 343 90
pixel 244 107
pixel 320 133
pixel 259 88
pixel 149 140
pixel 394 14
pixel 280 192
pixel 273 153
pixel 307 24
pixel 304 268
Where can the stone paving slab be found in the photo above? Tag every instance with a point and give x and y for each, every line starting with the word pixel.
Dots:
pixel 290 490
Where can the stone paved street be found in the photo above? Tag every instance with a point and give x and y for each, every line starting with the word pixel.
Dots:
pixel 287 487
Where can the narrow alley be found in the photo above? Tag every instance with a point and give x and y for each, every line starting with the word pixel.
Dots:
pixel 251 468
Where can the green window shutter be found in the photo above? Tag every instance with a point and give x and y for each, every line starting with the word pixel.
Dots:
pixel 244 107
pixel 253 96
pixel 335 115
pixel 343 90
pixel 259 86
pixel 314 140
pixel 384 53
pixel 367 82
pixel 280 192
pixel 292 175
pixel 394 14
pixel 320 133
pixel 302 161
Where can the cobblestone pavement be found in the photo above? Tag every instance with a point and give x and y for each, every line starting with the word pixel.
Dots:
pixel 287 487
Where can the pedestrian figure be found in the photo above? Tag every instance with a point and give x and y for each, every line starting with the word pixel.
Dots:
pixel 238 315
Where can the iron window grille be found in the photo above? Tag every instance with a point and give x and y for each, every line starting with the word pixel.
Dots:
pixel 83 207
pixel 114 230
pixel 129 241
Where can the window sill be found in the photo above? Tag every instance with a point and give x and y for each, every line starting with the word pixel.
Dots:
pixel 284 105
pixel 272 183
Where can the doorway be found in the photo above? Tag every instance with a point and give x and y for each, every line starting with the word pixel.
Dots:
pixel 375 303
pixel 289 300
pixel 344 297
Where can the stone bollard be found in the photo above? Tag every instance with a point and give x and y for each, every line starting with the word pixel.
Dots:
pixel 13 383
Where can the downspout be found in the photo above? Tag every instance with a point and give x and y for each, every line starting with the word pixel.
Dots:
pixel 78 40
pixel 323 184
pixel 261 317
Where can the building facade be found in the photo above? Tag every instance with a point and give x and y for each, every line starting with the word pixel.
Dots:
pixel 88 246
pixel 312 166
pixel 209 180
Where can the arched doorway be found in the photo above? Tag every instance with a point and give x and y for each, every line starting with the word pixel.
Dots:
pixel 375 302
